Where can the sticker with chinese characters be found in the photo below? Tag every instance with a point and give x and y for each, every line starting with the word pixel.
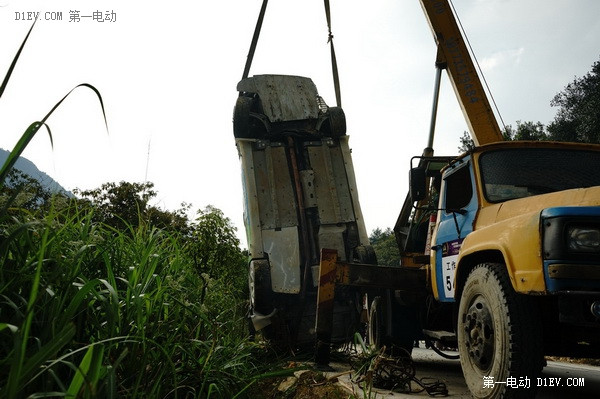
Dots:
pixel 449 257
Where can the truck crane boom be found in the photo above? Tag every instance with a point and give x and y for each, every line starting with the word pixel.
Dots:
pixel 454 56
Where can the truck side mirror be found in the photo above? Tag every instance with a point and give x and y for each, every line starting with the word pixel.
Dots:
pixel 417 182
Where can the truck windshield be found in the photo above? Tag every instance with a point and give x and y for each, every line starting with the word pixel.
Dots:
pixel 522 172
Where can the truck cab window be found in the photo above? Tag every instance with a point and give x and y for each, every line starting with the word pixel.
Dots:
pixel 459 189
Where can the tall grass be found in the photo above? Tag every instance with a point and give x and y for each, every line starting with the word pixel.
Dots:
pixel 89 311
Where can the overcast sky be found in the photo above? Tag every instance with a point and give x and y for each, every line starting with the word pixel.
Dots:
pixel 168 73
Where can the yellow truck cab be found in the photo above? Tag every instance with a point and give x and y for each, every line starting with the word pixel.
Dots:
pixel 512 252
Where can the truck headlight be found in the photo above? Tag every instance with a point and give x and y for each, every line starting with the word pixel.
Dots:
pixel 583 239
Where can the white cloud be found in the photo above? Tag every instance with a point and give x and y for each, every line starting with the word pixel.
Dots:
pixel 502 58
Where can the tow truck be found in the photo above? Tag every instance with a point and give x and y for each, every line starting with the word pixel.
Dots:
pixel 500 246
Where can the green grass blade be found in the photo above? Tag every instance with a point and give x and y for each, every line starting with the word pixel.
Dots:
pixel 35 126
pixel 19 148
pixel 14 61
pixel 89 369
pixel 20 373
pixel 50 349
pixel 212 387
pixel 46 395
pixel 89 86
pixel 17 370
pixel 12 328
pixel 78 299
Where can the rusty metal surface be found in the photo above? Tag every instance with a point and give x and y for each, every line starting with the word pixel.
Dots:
pixel 334 273
pixel 325 301
pixel 331 184
pixel 304 231
pixel 398 278
pixel 276 199
pixel 284 98
pixel 346 157
pixel 332 236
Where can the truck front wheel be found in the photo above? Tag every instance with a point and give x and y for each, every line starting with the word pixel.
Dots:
pixel 499 336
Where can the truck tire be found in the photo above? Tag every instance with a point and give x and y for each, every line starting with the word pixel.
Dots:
pixel 499 336
pixel 375 330
pixel 391 325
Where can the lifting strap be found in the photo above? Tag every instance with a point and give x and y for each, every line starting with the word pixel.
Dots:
pixel 334 68
pixel 259 22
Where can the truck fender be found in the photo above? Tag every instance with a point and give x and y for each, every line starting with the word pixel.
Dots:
pixel 515 242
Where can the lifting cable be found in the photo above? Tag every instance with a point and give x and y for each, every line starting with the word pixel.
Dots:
pixel 464 33
pixel 334 68
pixel 393 373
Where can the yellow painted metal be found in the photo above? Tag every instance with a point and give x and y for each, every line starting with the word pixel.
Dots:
pixel 513 227
pixel 327 275
pixel 432 263
pixel 466 83
pixel 325 296
pixel 518 240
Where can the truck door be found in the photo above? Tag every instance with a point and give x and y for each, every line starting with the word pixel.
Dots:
pixel 458 206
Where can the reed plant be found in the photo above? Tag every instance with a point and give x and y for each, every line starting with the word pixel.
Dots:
pixel 90 310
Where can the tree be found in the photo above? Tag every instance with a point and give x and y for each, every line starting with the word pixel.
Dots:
pixel 215 248
pixel 126 205
pixel 385 246
pixel 22 191
pixel 578 118
pixel 525 131
pixel 466 143
pixel 176 220
pixel 119 205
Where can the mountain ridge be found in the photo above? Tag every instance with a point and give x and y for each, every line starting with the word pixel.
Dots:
pixel 29 168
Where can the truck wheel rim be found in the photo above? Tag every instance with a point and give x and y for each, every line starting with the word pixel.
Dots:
pixel 479 333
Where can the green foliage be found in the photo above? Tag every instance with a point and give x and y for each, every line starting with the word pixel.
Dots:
pixel 127 204
pixel 578 118
pixel 100 298
pixel 214 247
pixel 23 192
pixel 466 143
pixel 385 246
pixel 88 309
pixel 525 131
pixel 119 205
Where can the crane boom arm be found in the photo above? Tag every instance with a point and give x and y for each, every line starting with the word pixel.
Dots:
pixel 454 55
